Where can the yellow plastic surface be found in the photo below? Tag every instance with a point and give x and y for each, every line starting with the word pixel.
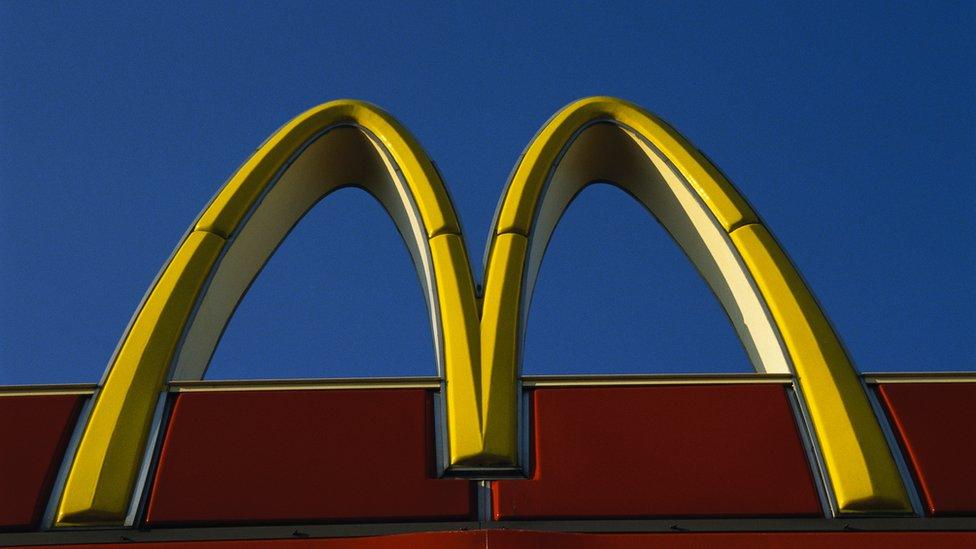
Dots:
pixel 526 187
pixel 500 332
pixel 862 472
pixel 239 195
pixel 100 482
pixel 459 320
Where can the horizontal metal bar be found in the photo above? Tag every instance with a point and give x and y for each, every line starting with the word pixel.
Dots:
pixel 306 384
pixel 817 524
pixel 921 377
pixel 251 532
pixel 528 381
pixel 243 532
pixel 50 389
pixel 653 379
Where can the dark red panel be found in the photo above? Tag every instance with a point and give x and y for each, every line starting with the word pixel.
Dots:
pixel 474 539
pixel 510 539
pixel 936 424
pixel 721 450
pixel 34 430
pixel 726 540
pixel 331 455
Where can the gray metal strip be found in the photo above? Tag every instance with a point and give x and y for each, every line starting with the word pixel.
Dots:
pixel 140 494
pixel 589 380
pixel 745 525
pixel 54 498
pixel 810 437
pixel 808 446
pixel 920 377
pixel 300 531
pixel 907 478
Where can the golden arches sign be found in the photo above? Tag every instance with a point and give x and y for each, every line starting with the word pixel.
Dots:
pixel 477 338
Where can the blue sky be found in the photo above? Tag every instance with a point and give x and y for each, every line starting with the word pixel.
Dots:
pixel 851 128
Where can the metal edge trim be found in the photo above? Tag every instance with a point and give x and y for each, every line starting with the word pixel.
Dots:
pixel 306 384
pixel 822 474
pixel 150 460
pixel 920 377
pixel 299 531
pixel 654 379
pixel 57 489
pixel 897 453
pixel 817 476
pixel 744 524
pixel 48 389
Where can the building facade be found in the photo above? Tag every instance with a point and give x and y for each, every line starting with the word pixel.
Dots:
pixel 803 451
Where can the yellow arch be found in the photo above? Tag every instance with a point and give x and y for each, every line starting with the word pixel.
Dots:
pixel 346 143
pixel 779 322
pixel 337 144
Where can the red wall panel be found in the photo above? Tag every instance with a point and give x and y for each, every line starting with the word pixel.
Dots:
pixel 427 540
pixel 34 430
pixel 702 450
pixel 936 425
pixel 284 456
pixel 727 540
